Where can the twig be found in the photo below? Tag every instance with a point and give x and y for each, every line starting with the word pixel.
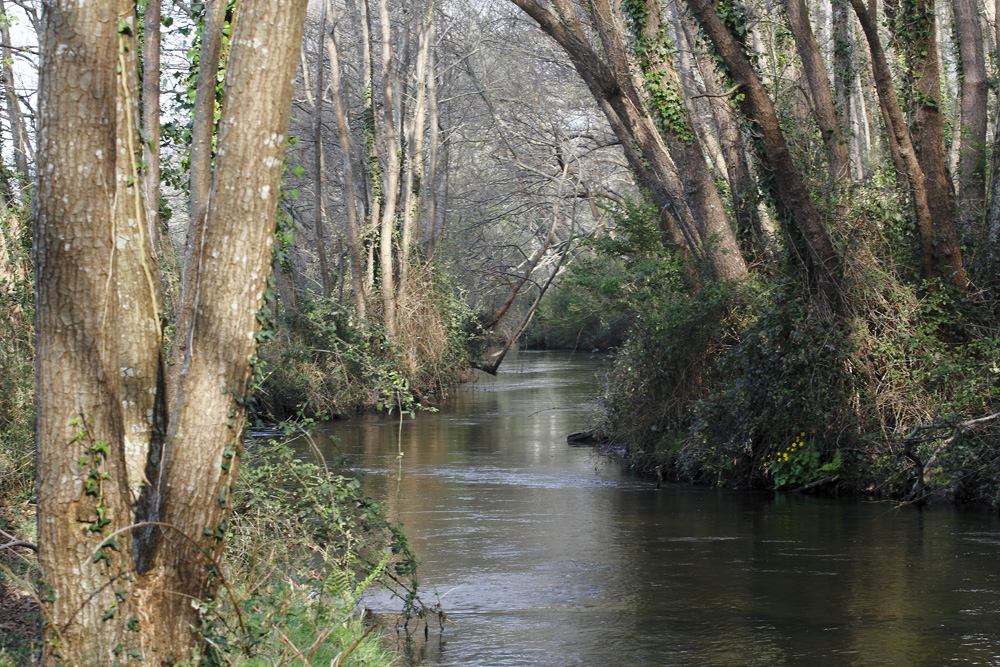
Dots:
pixel 343 656
pixel 725 94
pixel 14 542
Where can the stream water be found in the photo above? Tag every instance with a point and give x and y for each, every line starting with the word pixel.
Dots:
pixel 546 554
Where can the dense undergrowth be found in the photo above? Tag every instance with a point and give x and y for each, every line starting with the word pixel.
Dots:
pixel 323 363
pixel 752 384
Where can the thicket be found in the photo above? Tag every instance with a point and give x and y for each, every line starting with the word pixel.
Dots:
pixel 750 383
pixel 320 361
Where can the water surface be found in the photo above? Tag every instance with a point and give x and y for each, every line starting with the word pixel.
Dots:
pixel 546 554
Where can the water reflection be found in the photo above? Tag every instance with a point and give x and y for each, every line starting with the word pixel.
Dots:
pixel 549 556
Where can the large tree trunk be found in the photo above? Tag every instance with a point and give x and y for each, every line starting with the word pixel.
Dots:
pixel 928 138
pixel 971 179
pixel 821 260
pixel 819 87
pixel 106 596
pixel 78 392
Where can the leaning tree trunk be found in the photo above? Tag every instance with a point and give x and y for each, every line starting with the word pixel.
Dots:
pixel 664 99
pixel 822 260
pixel 928 138
pixel 904 153
pixel 613 87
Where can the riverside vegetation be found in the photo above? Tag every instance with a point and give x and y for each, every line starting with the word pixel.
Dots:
pixel 749 385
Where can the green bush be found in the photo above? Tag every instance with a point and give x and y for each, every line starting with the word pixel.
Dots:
pixel 304 545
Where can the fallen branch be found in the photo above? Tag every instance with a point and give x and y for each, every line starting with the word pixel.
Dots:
pixel 813 485
pixel 14 542
pixel 957 432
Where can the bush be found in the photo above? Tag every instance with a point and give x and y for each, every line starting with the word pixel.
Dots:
pixel 321 362
pixel 304 544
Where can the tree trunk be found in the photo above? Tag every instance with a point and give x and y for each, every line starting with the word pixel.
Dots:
pixel 819 87
pixel 350 196
pixel 151 117
pixel 663 96
pixel 822 261
pixel 971 179
pixel 928 138
pixel 78 423
pixel 390 184
pixel 106 597
pixel 742 185
pixel 434 120
pixel 415 166
pixel 136 275
pixel 373 168
pixel 904 151
pixel 613 87
pixel 200 179
pixel 319 169
pixel 845 72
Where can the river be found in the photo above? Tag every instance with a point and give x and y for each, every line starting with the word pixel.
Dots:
pixel 549 555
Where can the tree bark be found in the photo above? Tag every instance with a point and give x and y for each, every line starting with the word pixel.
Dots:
pixel 78 419
pixel 823 109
